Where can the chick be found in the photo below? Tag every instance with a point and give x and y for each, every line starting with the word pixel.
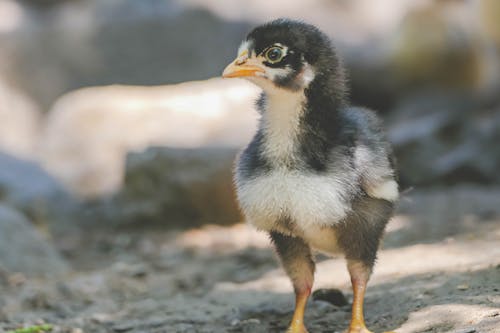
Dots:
pixel 318 173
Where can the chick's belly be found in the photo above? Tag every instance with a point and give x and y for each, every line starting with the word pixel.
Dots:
pixel 305 201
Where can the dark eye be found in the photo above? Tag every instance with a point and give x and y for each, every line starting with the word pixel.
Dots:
pixel 274 54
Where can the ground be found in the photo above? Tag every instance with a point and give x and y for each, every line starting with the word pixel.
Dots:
pixel 438 271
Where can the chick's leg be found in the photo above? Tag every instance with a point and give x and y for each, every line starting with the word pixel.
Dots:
pixel 360 274
pixel 295 256
pixel 359 238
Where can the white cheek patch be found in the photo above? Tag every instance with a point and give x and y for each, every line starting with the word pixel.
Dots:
pixel 307 75
pixel 275 73
pixel 303 80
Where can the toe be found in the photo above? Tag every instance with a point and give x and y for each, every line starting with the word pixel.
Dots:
pixel 362 330
pixel 297 329
pixel 358 329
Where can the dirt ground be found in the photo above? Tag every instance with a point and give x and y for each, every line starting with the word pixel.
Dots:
pixel 438 271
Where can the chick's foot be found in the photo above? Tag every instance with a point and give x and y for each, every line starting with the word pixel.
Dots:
pixel 297 328
pixel 361 329
pixel 358 329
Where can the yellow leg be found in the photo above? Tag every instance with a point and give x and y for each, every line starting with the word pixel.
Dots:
pixel 297 260
pixel 359 279
pixel 297 324
pixel 358 321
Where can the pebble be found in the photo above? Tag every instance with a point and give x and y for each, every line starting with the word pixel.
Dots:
pixel 125 326
pixel 252 325
pixel 332 296
pixel 467 330
pixel 16 279
pixel 131 270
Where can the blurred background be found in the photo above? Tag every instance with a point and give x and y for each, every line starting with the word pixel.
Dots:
pixel 117 139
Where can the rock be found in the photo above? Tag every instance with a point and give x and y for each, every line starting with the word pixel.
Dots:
pixel 445 139
pixel 332 296
pixel 472 206
pixel 252 325
pixel 175 188
pixel 23 249
pixel 429 46
pixel 434 40
pixel 490 19
pixel 90 131
pixel 23 182
pixel 19 122
pixel 26 186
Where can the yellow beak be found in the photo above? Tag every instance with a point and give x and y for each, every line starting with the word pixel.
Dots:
pixel 242 66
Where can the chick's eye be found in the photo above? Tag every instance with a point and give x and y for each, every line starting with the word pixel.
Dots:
pixel 274 54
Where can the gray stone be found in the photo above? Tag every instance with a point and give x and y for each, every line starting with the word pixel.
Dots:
pixel 174 188
pixel 252 325
pixel 23 249
pixel 445 139
pixel 27 187
pixel 23 181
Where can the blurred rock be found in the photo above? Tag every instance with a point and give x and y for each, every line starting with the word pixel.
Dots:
pixel 19 122
pixel 27 187
pixel 436 46
pixel 30 189
pixel 445 139
pixel 175 188
pixel 24 250
pixel 432 215
pixel 90 131
pixel 489 42
pixel 490 19
pixel 24 182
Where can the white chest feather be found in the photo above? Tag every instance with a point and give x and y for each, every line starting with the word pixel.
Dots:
pixel 308 199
